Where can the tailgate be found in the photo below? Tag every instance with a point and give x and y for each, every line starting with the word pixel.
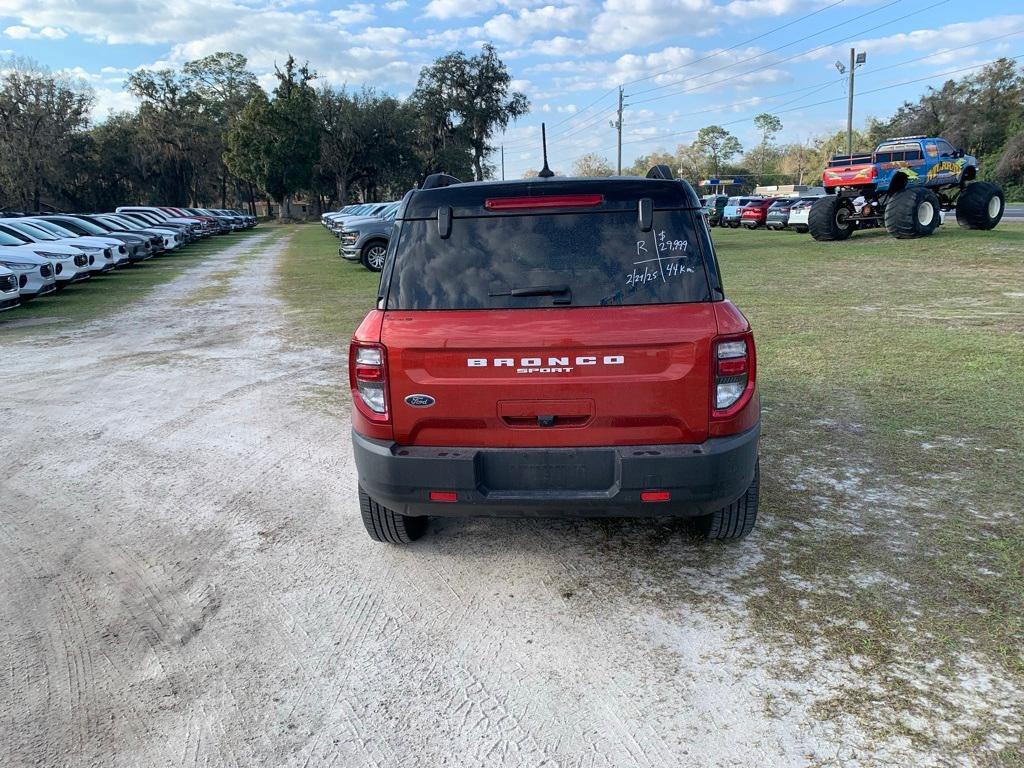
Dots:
pixel 588 376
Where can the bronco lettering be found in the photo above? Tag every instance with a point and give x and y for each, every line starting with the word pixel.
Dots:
pixel 551 362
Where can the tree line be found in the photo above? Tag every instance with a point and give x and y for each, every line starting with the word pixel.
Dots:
pixel 983 114
pixel 207 134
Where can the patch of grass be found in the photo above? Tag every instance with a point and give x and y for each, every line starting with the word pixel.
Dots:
pixel 892 374
pixel 113 291
pixel 325 294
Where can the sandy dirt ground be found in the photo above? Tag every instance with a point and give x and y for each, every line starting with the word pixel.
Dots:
pixel 186 581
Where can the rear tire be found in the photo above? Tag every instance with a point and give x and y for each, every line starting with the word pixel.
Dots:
pixel 736 520
pixel 734 225
pixel 800 228
pixel 829 219
pixel 389 527
pixel 912 213
pixel 980 205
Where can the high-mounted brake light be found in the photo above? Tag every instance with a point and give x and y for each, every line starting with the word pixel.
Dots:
pixel 542 201
pixel 733 374
pixel 368 378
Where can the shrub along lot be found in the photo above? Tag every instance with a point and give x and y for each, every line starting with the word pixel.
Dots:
pixel 892 374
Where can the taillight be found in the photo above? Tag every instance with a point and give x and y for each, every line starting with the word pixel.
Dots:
pixel 367 364
pixel 734 374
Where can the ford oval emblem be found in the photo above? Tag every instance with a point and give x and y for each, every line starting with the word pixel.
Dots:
pixel 420 401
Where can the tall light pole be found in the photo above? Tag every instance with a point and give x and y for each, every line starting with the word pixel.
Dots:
pixel 856 59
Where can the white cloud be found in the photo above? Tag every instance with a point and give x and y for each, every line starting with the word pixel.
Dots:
pixel 623 24
pixel 21 32
pixel 527 23
pixel 141 21
pixel 110 100
pixel 353 14
pixel 396 5
pixel 748 9
pixel 450 9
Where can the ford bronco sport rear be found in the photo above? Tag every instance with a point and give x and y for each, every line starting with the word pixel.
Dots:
pixel 554 347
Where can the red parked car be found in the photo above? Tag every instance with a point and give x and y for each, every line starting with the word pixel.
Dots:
pixel 755 213
pixel 554 347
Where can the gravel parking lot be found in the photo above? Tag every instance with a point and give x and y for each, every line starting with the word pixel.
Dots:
pixel 187 582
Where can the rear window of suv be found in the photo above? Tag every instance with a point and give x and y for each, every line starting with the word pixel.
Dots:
pixel 586 260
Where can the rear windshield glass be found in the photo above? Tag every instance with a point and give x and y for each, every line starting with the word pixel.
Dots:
pixel 579 260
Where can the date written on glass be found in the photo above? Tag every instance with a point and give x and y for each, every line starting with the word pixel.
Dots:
pixel 665 263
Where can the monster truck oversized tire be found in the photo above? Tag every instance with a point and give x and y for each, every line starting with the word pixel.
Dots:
pixel 912 213
pixel 829 218
pixel 384 525
pixel 736 520
pixel 980 205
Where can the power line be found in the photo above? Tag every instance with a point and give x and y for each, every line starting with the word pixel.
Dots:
pixel 840 98
pixel 888 87
pixel 777 62
pixel 742 43
pixel 577 115
pixel 574 116
pixel 822 85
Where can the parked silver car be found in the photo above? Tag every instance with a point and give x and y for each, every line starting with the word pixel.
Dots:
pixel 366 239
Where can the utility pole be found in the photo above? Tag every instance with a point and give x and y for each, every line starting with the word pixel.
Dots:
pixel 502 162
pixel 618 127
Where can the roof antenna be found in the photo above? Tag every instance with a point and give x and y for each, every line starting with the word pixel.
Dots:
pixel 545 172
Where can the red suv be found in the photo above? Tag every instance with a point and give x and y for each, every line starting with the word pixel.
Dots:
pixel 554 347
pixel 755 213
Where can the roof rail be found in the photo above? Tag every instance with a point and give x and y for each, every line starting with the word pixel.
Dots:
pixel 435 180
pixel 905 138
pixel 660 171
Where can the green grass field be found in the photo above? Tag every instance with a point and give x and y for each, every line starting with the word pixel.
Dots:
pixel 111 292
pixel 892 382
pixel 328 295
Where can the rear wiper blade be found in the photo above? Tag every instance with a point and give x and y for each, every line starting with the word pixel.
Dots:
pixel 534 290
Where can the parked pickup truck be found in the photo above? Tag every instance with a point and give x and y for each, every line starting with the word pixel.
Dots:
pixel 559 347
pixel 906 183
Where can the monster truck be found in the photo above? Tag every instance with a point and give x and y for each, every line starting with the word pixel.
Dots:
pixel 905 184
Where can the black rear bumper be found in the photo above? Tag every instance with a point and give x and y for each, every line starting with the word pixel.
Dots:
pixel 558 482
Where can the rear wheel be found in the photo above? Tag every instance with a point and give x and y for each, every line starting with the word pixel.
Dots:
pixel 912 213
pixel 980 205
pixel 831 218
pixel 373 255
pixel 736 520
pixel 734 225
pixel 800 228
pixel 384 525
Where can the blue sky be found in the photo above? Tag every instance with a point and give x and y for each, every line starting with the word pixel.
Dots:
pixel 684 63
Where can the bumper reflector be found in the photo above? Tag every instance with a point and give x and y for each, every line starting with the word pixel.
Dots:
pixel 444 496
pixel 655 496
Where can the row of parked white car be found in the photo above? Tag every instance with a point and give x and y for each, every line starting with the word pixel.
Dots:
pixel 44 253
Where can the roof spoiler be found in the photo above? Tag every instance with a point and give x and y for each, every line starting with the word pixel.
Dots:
pixel 660 171
pixel 437 180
